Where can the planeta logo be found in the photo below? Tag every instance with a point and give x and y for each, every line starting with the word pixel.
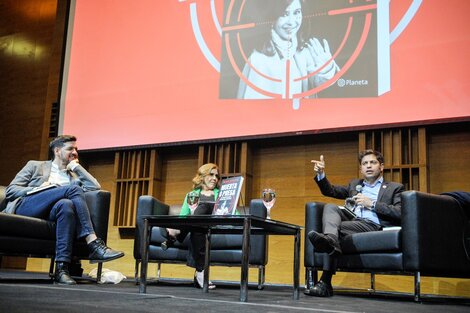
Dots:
pixel 341 82
pixel 352 82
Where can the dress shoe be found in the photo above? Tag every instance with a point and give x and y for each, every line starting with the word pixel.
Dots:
pixel 75 268
pixel 324 243
pixel 61 275
pixel 199 280
pixel 321 289
pixel 99 252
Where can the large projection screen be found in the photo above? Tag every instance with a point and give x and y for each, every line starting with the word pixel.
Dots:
pixel 147 72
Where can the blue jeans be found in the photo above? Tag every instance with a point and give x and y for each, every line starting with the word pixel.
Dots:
pixel 67 207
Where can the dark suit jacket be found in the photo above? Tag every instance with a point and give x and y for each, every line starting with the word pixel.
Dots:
pixel 388 205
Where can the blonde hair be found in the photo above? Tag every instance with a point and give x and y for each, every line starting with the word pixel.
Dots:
pixel 203 171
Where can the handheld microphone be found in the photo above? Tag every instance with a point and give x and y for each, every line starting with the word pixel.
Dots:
pixel 350 202
pixel 358 189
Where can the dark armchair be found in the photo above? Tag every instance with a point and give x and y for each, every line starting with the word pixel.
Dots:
pixel 226 250
pixel 433 241
pixel 34 237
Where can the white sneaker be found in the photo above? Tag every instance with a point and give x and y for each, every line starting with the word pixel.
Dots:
pixel 199 280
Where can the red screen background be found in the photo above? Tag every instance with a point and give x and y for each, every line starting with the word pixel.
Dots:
pixel 136 76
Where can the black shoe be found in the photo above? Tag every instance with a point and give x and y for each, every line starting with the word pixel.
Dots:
pixel 75 269
pixel 99 252
pixel 167 243
pixel 324 243
pixel 321 289
pixel 61 275
pixel 199 281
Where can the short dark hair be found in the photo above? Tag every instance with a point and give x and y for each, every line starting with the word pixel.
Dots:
pixel 377 154
pixel 59 142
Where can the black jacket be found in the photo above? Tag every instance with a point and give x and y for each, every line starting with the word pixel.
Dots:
pixel 388 205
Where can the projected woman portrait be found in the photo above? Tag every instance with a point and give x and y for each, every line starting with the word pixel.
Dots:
pixel 284 59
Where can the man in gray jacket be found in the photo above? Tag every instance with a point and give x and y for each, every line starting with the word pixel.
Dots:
pixel 54 190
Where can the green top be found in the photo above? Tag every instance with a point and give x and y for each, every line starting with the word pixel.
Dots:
pixel 185 207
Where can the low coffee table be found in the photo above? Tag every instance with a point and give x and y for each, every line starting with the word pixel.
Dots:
pixel 212 224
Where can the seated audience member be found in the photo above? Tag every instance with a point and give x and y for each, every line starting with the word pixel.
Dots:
pixel 64 203
pixel 463 198
pixel 205 185
pixel 377 203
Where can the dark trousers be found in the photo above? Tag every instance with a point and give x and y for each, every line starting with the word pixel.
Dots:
pixel 338 224
pixel 67 207
pixel 197 247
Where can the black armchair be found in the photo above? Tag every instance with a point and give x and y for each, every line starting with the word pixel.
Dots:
pixel 226 250
pixel 432 241
pixel 34 237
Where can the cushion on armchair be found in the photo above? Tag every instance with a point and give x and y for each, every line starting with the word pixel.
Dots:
pixel 28 227
pixel 376 241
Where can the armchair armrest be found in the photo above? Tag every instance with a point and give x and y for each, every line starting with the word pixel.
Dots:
pixel 257 208
pixel 147 205
pixel 433 230
pixel 98 205
pixel 259 243
pixel 313 221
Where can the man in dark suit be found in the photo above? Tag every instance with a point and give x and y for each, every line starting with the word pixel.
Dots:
pixel 376 203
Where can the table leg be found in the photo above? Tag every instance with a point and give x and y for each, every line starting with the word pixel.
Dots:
pixel 245 259
pixel 296 264
pixel 207 258
pixel 144 245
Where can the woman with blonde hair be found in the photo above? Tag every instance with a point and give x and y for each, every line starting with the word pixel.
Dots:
pixel 205 188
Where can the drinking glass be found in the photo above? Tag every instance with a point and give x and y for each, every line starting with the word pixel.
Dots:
pixel 193 201
pixel 269 198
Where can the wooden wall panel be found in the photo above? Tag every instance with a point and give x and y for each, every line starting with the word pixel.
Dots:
pixel 177 172
pixel 27 39
pixel 449 157
pixel 101 166
pixel 405 154
pixel 30 54
pixel 137 173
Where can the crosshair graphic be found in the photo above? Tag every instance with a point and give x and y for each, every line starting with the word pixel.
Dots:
pixel 232 33
pixel 230 37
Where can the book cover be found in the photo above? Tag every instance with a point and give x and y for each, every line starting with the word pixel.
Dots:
pixel 350 213
pixel 226 203
pixel 41 188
